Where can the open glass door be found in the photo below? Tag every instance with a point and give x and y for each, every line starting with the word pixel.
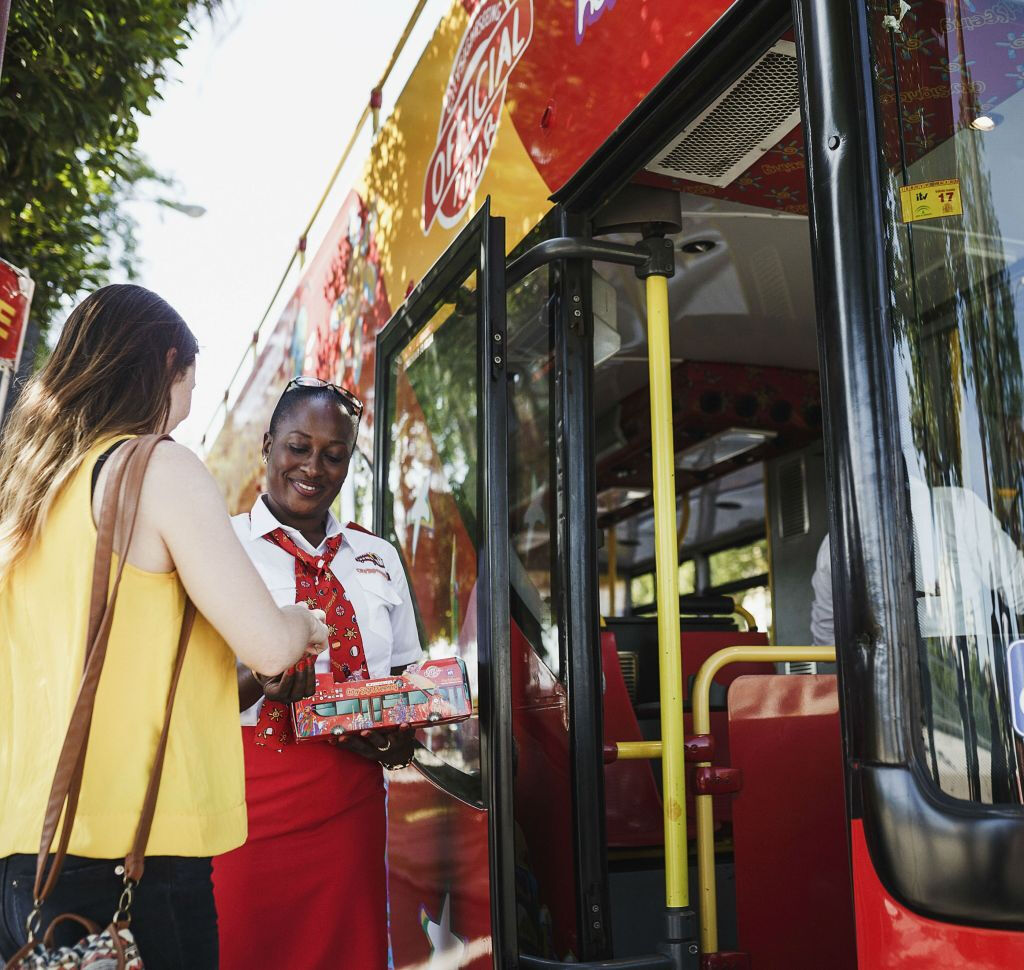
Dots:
pixel 440 495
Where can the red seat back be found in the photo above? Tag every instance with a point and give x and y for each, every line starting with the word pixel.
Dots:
pixel 794 901
pixel 632 805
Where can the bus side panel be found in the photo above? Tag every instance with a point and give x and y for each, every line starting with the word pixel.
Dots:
pixel 545 893
pixel 438 886
pixel 890 937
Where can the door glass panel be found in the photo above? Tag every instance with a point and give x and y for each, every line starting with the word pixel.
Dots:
pixel 532 513
pixel 545 895
pixel 432 504
pixel 950 89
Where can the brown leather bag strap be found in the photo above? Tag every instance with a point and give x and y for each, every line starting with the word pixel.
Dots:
pixel 118 515
pixel 136 858
pixel 101 605
pixel 67 777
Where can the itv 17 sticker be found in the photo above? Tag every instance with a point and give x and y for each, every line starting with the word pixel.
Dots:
pixel 931 200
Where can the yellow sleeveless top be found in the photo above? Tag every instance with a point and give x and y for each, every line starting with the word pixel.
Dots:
pixel 44 612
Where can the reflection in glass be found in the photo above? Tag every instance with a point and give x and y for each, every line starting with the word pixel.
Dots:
pixel 958 308
pixel 532 560
pixel 432 502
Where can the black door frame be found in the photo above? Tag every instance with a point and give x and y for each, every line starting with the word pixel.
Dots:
pixel 480 246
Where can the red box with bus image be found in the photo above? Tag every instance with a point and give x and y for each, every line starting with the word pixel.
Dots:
pixel 432 692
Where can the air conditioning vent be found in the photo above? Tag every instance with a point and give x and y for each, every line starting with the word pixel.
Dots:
pixel 793 518
pixel 629 664
pixel 800 667
pixel 739 126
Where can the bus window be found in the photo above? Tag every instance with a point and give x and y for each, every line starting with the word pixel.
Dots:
pixel 687 577
pixel 641 590
pixel 326 710
pixel 348 707
pixel 392 700
pixel 376 701
pixel 417 697
pixel 742 573
pixel 958 344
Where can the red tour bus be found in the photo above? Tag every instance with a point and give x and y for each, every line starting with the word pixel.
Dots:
pixel 645 299
pixel 427 694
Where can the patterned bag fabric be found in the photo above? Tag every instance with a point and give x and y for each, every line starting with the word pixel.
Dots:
pixel 112 948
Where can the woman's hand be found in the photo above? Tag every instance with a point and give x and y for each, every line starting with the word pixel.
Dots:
pixel 318 633
pixel 293 684
pixel 392 748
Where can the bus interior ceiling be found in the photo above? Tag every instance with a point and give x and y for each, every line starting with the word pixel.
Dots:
pixel 750 485
pixel 746 405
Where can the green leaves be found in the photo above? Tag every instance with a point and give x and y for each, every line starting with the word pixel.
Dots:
pixel 76 73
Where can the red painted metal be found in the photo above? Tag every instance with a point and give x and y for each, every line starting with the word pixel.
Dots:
pixel 699 747
pixel 545 894
pixel 725 960
pixel 794 903
pixel 891 937
pixel 717 780
pixel 438 877
pixel 592 78
pixel 633 814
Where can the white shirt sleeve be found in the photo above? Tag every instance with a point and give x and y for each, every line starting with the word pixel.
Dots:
pixel 822 632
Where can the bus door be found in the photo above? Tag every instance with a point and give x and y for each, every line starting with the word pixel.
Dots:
pixel 440 497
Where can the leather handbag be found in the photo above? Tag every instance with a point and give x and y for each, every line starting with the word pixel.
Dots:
pixel 113 947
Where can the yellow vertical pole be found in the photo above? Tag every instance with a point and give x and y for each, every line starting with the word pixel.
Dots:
pixel 666 550
pixel 613 569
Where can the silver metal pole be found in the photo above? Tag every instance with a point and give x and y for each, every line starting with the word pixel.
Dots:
pixel 6 375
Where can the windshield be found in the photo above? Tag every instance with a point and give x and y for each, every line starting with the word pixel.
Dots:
pixel 950 86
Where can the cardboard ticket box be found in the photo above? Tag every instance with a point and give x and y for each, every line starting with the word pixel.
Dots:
pixel 432 692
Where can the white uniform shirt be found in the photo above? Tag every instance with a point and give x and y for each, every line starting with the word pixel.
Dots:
pixel 962 556
pixel 380 597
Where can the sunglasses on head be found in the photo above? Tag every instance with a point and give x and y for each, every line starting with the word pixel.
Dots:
pixel 351 402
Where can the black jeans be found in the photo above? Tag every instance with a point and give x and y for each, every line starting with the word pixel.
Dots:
pixel 173 917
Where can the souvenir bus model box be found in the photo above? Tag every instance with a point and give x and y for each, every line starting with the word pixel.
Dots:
pixel 426 694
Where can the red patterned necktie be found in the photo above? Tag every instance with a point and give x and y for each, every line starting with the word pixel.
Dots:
pixel 317 587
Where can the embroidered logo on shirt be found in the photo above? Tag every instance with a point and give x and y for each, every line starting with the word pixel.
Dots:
pixel 374 559
pixel 371 557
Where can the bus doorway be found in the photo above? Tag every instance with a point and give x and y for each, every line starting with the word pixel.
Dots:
pixel 727 198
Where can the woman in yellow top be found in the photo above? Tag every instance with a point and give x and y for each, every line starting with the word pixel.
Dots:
pixel 125 365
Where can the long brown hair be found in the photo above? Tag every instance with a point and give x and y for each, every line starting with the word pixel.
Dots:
pixel 108 375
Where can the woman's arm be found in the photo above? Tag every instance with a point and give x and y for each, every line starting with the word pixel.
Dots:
pixel 182 505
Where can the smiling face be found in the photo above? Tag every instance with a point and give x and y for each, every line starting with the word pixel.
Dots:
pixel 308 456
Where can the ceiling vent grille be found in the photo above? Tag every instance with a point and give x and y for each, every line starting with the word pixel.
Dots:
pixel 739 126
pixel 629 662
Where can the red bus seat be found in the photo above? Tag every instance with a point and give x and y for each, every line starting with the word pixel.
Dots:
pixel 794 900
pixel 633 815
pixel 633 809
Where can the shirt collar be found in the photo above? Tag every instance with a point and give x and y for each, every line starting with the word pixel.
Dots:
pixel 262 522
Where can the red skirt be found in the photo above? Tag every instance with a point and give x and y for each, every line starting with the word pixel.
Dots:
pixel 308 890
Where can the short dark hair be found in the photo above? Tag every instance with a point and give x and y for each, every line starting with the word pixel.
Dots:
pixel 298 395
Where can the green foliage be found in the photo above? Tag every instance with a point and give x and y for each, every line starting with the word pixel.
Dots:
pixel 76 76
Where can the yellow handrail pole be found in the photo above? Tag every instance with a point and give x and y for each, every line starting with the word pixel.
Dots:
pixel 637 750
pixel 666 549
pixel 702 725
pixel 613 569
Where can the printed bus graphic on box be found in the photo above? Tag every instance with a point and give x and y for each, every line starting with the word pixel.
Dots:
pixel 430 693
